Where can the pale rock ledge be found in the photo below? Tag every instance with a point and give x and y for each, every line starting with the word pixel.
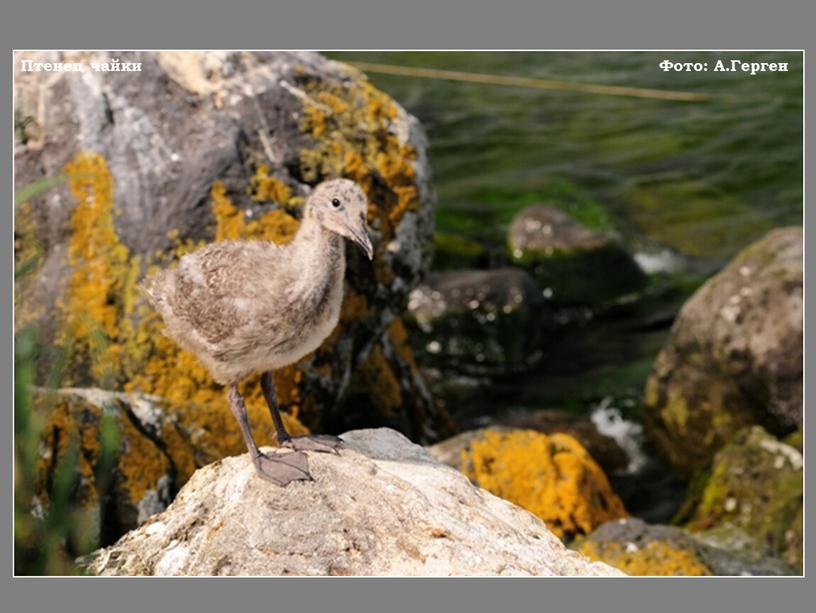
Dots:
pixel 384 506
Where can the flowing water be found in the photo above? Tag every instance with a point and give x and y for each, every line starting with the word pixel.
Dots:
pixel 686 185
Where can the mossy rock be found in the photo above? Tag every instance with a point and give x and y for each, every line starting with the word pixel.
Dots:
pixel 552 476
pixel 638 548
pixel 226 146
pixel 477 321
pixel 573 264
pixel 755 484
pixel 734 357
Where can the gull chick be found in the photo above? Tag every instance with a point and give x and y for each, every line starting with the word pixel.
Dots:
pixel 253 306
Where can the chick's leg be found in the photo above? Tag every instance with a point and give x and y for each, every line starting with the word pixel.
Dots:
pixel 325 443
pixel 280 469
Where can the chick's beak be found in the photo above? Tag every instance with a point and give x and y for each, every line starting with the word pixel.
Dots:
pixel 360 236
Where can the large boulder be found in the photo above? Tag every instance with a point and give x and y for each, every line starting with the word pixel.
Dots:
pixel 638 548
pixel 209 146
pixel 734 356
pixel 552 476
pixel 382 507
pixel 755 485
pixel 573 263
pixel 477 321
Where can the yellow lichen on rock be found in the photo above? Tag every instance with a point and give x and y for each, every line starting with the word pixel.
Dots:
pixel 98 300
pixel 332 101
pixel 65 426
pixel 265 187
pixel 141 465
pixel 94 251
pixel 144 473
pixel 231 222
pixel 552 476
pixel 654 558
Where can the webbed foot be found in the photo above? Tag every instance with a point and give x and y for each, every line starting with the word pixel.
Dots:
pixel 283 468
pixel 323 443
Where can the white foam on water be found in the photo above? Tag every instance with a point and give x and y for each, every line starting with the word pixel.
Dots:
pixel 628 434
pixel 659 261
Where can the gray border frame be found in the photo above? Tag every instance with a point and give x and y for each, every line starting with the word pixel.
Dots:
pixel 367 24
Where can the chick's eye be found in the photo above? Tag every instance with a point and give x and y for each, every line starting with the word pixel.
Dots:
pixel 336 203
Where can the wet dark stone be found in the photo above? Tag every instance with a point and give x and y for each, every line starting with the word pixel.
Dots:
pixel 477 321
pixel 572 263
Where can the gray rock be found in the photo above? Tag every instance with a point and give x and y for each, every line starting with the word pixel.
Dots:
pixel 545 230
pixel 478 321
pixel 572 263
pixel 382 507
pixel 734 357
pixel 643 549
pixel 731 551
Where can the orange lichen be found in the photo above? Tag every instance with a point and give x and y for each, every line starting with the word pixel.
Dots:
pixel 314 120
pixel 141 464
pixel 180 452
pixel 231 222
pixel 94 283
pixel 655 558
pixel 64 427
pixel 265 187
pixel 333 101
pixel 96 304
pixel 552 476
